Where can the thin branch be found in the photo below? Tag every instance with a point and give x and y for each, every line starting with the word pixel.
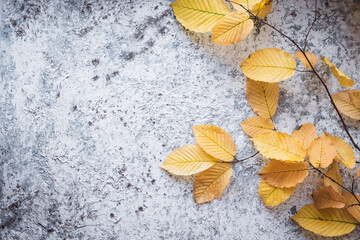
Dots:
pixel 240 160
pixel 313 23
pixel 343 187
pixel 312 67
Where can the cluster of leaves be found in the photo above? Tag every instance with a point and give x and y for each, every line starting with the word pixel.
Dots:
pixel 336 209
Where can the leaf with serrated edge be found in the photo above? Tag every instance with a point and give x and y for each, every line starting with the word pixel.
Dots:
pixel 312 58
pixel 263 8
pixel 305 134
pixel 279 146
pixel 188 160
pixel 215 141
pixel 328 222
pixel 210 184
pixel 284 173
pixel 334 173
pixel 257 125
pixel 263 97
pixel 343 79
pixel 354 210
pixel 232 28
pixel 272 196
pixel 348 103
pixel 344 152
pixel 322 152
pixel 327 197
pixel 269 65
pixel 200 15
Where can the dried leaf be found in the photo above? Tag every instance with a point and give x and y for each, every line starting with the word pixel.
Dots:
pixel 312 58
pixel 257 125
pixel 263 97
pixel 344 152
pixel 348 102
pixel 200 15
pixel 279 146
pixel 263 8
pixel 327 197
pixel 272 196
pixel 354 210
pixel 325 222
pixel 334 173
pixel 215 141
pixel 232 28
pixel 269 65
pixel 306 134
pixel 284 173
pixel 343 79
pixel 322 152
pixel 210 184
pixel 188 160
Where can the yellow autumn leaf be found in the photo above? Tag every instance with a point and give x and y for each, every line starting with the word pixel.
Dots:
pixel 263 97
pixel 348 102
pixel 188 160
pixel 269 65
pixel 327 197
pixel 232 28
pixel 305 134
pixel 215 141
pixel 344 152
pixel 284 173
pixel 312 58
pixel 279 146
pixel 334 173
pixel 263 8
pixel 248 4
pixel 272 196
pixel 210 184
pixel 343 79
pixel 257 125
pixel 354 210
pixel 199 15
pixel 329 222
pixel 322 152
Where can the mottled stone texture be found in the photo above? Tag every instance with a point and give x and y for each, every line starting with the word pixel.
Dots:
pixel 95 94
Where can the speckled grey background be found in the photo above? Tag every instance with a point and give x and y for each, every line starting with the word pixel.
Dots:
pixel 95 94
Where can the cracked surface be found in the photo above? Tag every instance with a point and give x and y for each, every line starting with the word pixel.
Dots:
pixel 95 94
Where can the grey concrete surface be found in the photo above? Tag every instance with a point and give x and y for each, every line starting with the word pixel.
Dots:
pixel 95 94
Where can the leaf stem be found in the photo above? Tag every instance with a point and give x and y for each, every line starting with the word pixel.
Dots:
pixel 312 67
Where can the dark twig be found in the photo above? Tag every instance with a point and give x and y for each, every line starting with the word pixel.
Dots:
pixel 313 23
pixel 243 159
pixel 312 67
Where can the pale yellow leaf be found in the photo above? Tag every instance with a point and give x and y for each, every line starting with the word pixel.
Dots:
pixel 210 184
pixel 344 152
pixel 354 210
pixel 248 4
pixel 305 134
pixel 188 160
pixel 199 15
pixel 257 125
pixel 232 28
pixel 215 141
pixel 279 146
pixel 263 97
pixel 272 196
pixel 343 79
pixel 269 65
pixel 284 173
pixel 348 102
pixel 327 197
pixel 334 173
pixel 263 8
pixel 322 152
pixel 312 58
pixel 329 222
